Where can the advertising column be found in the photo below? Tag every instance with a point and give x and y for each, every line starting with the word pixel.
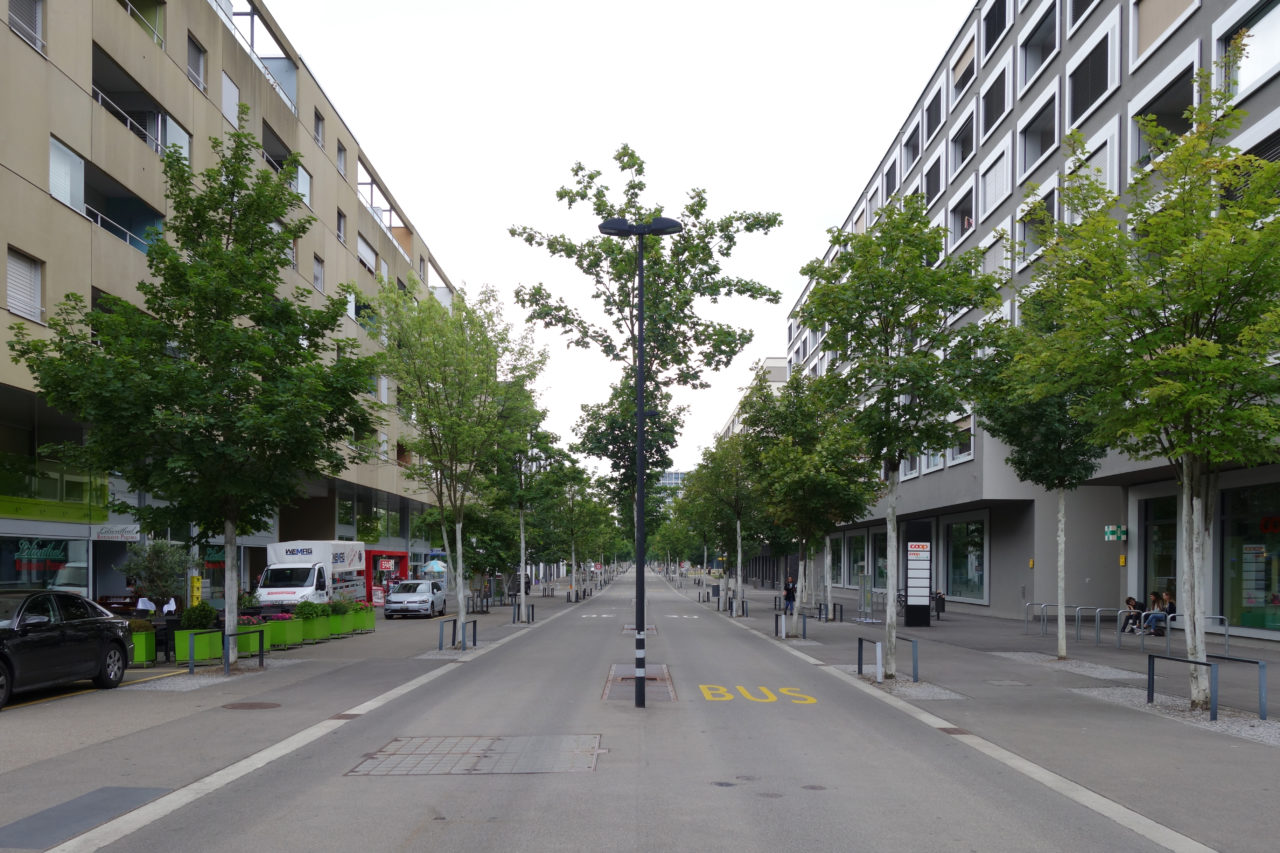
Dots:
pixel 919 584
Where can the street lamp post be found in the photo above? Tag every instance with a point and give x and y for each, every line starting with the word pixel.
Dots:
pixel 619 227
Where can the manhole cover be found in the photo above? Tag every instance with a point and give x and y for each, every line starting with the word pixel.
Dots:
pixel 657 682
pixel 478 755
pixel 251 706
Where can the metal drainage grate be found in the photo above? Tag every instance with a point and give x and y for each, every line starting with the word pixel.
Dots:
pixel 657 683
pixel 478 755
pixel 251 706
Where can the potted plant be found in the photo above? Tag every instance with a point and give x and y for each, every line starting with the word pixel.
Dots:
pixel 284 631
pixel 159 570
pixel 341 620
pixel 365 616
pixel 144 642
pixel 248 604
pixel 200 617
pixel 248 639
pixel 308 613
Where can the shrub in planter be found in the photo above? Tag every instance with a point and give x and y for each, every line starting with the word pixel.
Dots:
pixel 365 615
pixel 315 621
pixel 249 626
pixel 144 642
pixel 341 620
pixel 200 617
pixel 284 631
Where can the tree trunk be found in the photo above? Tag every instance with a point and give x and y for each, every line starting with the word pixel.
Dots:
pixel 891 575
pixel 1062 574
pixel 521 574
pixel 738 525
pixel 231 588
pixel 827 585
pixel 1197 527
pixel 459 574
pixel 573 558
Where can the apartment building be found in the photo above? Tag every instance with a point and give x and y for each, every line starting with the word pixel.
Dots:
pixel 988 127
pixel 94 90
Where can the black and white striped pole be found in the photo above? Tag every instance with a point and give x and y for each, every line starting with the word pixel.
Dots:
pixel 619 227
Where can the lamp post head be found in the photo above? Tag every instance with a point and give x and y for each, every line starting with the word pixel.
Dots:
pixel 619 227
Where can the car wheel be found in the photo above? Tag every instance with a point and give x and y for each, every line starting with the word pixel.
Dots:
pixel 6 684
pixel 111 672
pixel 386 615
pixel 444 607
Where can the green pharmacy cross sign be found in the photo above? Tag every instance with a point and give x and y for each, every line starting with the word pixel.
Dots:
pixel 1115 533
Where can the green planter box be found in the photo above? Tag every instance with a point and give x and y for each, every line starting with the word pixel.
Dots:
pixel 284 633
pixel 314 630
pixel 247 642
pixel 208 646
pixel 342 626
pixel 144 649
pixel 365 620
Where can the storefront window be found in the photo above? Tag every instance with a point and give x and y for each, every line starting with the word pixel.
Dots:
pixel 1251 556
pixel 857 545
pixel 59 563
pixel 880 550
pixel 966 563
pixel 837 573
pixel 1160 545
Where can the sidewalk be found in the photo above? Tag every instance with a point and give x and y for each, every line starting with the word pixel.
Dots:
pixel 979 657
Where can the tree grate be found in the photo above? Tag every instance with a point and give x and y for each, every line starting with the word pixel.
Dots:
pixel 622 683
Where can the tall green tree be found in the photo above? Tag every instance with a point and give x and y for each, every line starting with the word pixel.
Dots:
pixel 888 301
pixel 811 463
pixel 462 378
pixel 1166 305
pixel 221 395
pixel 723 481
pixel 683 275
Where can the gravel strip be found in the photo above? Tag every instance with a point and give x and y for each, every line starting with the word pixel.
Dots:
pixel 1079 667
pixel 1231 721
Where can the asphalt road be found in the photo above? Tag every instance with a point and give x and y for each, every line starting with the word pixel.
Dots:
pixel 380 743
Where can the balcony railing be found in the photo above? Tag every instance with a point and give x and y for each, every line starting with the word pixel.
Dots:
pixel 146 25
pixel 116 229
pixel 25 32
pixel 227 18
pixel 138 130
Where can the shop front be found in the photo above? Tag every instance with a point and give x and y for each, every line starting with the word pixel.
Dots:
pixel 384 569
pixel 44 562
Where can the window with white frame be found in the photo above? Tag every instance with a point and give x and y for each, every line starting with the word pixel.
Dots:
pixel 317 273
pixel 964 142
pixel 23 292
pixel 996 96
pixel 1038 133
pixel 964 67
pixel 996 18
pixel 230 99
pixel 961 217
pixel 342 226
pixel 933 178
pixel 196 62
pixel 891 180
pixel 962 450
pixel 1151 20
pixel 1168 108
pixel 304 185
pixel 1038 43
pixel 911 147
pixel 1094 72
pixel 1262 61
pixel 933 114
pixel 342 159
pixel 860 222
pixel 1080 10
pixel 995 255
pixel 422 268
pixel 175 134
pixel 367 255
pixel 383 270
pixel 933 460
pixel 995 178
pixel 317 128
pixel 66 175
pixel 1034 220
pixel 909 468
pixel 26 18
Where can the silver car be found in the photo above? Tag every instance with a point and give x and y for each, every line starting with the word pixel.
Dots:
pixel 415 598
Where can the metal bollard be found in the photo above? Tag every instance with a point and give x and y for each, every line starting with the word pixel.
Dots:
pixel 804 626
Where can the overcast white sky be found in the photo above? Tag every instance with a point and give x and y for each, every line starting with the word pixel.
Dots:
pixel 473 112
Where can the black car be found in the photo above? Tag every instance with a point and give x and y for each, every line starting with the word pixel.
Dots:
pixel 49 637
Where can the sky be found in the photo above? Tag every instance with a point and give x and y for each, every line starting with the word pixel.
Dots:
pixel 473 112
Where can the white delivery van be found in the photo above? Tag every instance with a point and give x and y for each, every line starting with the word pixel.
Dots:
pixel 307 570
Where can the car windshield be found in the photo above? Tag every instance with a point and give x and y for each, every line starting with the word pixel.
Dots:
pixel 8 606
pixel 410 586
pixel 286 577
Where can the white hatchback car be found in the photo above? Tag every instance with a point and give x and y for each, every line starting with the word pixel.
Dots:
pixel 415 598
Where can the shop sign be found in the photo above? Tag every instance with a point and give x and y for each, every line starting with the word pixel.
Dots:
pixel 40 549
pixel 117 533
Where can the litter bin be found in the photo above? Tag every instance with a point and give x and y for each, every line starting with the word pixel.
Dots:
pixel 715 590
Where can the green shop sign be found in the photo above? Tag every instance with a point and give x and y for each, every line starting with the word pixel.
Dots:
pixel 39 549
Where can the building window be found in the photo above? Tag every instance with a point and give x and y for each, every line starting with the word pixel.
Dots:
pixel 1038 137
pixel 230 99
pixel 365 252
pixel 317 128
pixel 1168 109
pixel 342 227
pixel 962 450
pixel 303 181
pixel 965 555
pixel 996 180
pixel 1095 72
pixel 911 147
pixel 23 293
pixel 933 460
pixel 66 175
pixel 196 59
pixel 962 144
pixel 933 179
pixel 995 101
pixel 26 18
pixel 1080 9
pixel 1263 58
pixel 962 212
pixel 933 114
pixel 910 468
pixel 995 23
pixel 422 269
pixel 1031 233
pixel 317 273
pixel 175 134
pixel 963 70
pixel 891 180
pixel 1039 45
pixel 342 159
pixel 994 258
pixel 1153 18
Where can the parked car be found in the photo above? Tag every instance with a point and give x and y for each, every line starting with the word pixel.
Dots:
pixel 415 598
pixel 50 637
